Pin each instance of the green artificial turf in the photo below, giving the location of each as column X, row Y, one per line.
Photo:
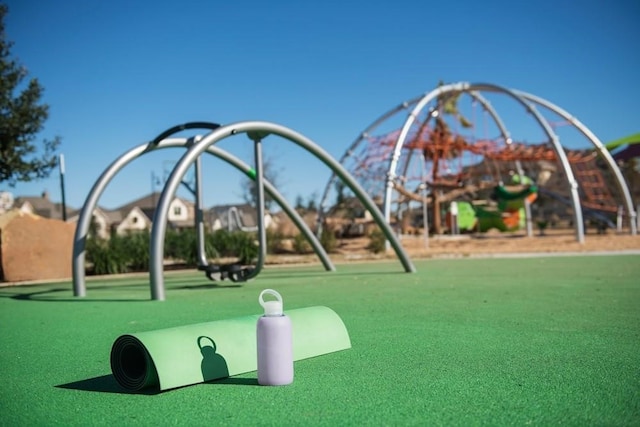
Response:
column 536, row 341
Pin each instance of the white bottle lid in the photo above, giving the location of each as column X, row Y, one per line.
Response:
column 271, row 308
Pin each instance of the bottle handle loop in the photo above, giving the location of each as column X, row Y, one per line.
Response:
column 269, row 292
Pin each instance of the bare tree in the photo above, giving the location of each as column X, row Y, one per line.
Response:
column 271, row 174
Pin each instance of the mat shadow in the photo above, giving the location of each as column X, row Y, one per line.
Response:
column 103, row 384
column 213, row 364
column 235, row 381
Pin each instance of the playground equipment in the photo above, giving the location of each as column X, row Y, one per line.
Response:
column 231, row 271
column 438, row 147
column 509, row 213
column 594, row 214
column 233, row 218
column 625, row 148
column 506, row 211
column 256, row 131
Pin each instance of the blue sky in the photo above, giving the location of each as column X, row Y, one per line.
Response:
column 118, row 73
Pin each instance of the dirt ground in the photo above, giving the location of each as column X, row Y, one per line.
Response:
column 491, row 243
column 503, row 243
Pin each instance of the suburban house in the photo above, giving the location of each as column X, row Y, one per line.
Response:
column 138, row 214
column 102, row 221
column 41, row 205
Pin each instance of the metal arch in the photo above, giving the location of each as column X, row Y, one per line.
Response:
column 84, row 219
column 197, row 191
column 179, row 128
column 349, row 152
column 251, row 127
column 507, row 139
column 393, row 162
column 493, row 113
column 560, row 152
column 403, row 106
column 282, row 202
column 467, row 87
column 622, row 185
column 475, row 95
column 496, row 118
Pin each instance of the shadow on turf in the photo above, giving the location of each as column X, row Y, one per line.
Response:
column 108, row 384
column 235, row 381
column 39, row 296
column 208, row 286
column 329, row 274
column 104, row 384
column 42, row 296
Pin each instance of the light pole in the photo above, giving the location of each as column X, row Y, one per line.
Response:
column 64, row 203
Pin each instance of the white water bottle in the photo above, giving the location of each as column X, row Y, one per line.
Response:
column 275, row 343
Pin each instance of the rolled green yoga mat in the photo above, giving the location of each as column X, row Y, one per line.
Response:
column 185, row 355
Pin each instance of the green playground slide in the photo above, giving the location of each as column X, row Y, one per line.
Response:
column 507, row 215
column 492, row 217
column 466, row 217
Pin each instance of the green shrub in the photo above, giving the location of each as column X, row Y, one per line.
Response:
column 130, row 252
column 222, row 242
column 301, row 245
column 377, row 241
column 275, row 240
column 238, row 244
column 119, row 254
column 137, row 250
column 245, row 247
column 181, row 245
column 328, row 240
column 107, row 256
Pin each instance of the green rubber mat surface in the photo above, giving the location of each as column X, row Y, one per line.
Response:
column 531, row 341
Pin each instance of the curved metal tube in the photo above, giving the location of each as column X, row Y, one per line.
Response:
column 159, row 222
column 197, row 191
column 602, row 150
column 262, row 231
column 403, row 106
column 354, row 144
column 281, row 201
column 507, row 139
column 85, row 215
column 179, row 128
column 234, row 216
column 393, row 162
column 467, row 87
column 560, row 152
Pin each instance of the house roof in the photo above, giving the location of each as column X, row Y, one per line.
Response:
column 115, row 216
column 349, row 206
column 43, row 206
column 149, row 201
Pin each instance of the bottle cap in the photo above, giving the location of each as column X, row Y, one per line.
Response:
column 271, row 308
